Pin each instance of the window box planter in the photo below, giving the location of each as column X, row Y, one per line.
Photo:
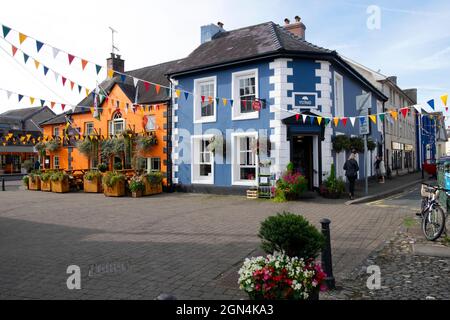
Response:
column 34, row 183
column 60, row 186
column 153, row 184
column 92, row 186
column 46, row 186
column 118, row 190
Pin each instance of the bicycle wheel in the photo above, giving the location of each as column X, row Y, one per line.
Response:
column 433, row 223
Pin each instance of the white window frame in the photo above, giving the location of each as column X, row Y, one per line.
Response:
column 198, row 100
column 154, row 123
column 54, row 162
column 86, row 128
column 339, row 108
column 195, row 160
column 56, row 131
column 235, row 160
column 150, row 168
column 112, row 123
column 236, row 111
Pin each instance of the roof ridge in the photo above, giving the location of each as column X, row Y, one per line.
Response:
column 295, row 37
column 246, row 27
column 275, row 36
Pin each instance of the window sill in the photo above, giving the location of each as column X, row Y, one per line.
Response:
column 205, row 120
column 246, row 116
column 248, row 183
column 202, row 182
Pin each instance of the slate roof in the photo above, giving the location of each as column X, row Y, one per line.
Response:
column 246, row 43
column 26, row 119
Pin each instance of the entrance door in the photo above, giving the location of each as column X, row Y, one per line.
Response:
column 302, row 157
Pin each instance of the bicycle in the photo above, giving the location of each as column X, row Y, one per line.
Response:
column 433, row 216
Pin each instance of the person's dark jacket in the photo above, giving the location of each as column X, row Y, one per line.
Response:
column 351, row 168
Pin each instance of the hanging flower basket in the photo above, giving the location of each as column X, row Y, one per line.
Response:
column 215, row 143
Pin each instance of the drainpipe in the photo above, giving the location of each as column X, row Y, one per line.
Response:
column 169, row 139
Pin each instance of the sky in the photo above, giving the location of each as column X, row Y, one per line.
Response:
column 412, row 41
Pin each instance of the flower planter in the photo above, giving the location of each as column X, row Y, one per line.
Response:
column 137, row 194
column 151, row 189
column 118, row 190
column 60, row 186
column 92, row 186
column 34, row 184
column 46, row 186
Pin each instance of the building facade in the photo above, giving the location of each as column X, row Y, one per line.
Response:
column 264, row 93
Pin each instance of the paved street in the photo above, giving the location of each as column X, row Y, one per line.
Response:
column 184, row 244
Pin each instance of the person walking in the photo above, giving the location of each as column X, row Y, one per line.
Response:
column 380, row 169
column 351, row 172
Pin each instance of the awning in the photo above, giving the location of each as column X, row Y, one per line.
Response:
column 17, row 149
column 300, row 128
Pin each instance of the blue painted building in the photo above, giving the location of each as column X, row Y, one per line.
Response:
column 261, row 96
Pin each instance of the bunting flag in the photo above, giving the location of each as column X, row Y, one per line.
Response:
column 297, row 117
column 431, row 104
column 45, row 70
column 304, row 116
column 71, row 58
column 32, row 100
column 231, row 102
column 344, row 121
column 373, row 118
column 136, row 82
column 14, row 51
column 336, row 122
column 55, row 52
column 98, row 68
column 381, row 116
column 319, row 120
column 404, row 112
column 352, row 121
column 63, row 80
column 444, row 99
column 20, row 96
column 123, row 77
column 327, row 121
column 22, row 37
column 110, row 73
column 157, row 88
column 186, row 96
column 83, row 64
column 6, row 31
column 25, row 58
column 394, row 115
column 37, row 64
column 178, row 93
column 147, row 86
column 39, row 45
column 224, row 101
column 217, row 101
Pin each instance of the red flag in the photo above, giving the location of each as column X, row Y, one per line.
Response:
column 297, row 117
column 83, row 64
column 63, row 106
column 14, row 50
column 405, row 112
column 52, row 104
column 203, row 99
column 63, row 80
column 147, row 86
column 344, row 121
column 71, row 57
column 157, row 88
column 72, row 84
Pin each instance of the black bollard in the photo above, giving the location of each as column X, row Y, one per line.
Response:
column 3, row 184
column 327, row 262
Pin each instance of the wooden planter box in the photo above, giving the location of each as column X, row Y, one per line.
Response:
column 94, row 186
column 34, row 184
column 117, row 191
column 151, row 189
column 137, row 194
column 60, row 186
column 46, row 186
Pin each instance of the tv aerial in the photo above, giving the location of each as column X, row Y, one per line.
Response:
column 114, row 48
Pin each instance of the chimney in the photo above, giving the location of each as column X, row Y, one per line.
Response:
column 412, row 94
column 209, row 31
column 297, row 28
column 116, row 63
column 393, row 79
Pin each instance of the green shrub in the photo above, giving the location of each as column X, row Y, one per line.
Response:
column 112, row 178
column 93, row 174
column 26, row 180
column 145, row 143
column 34, row 175
column 154, row 178
column 46, row 176
column 41, row 148
column 290, row 186
column 58, row 176
column 291, row 234
column 118, row 166
column 52, row 146
column 85, row 147
column 136, row 184
column 333, row 185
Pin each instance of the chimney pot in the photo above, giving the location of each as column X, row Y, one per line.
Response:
column 287, row 21
column 220, row 24
column 298, row 28
column 298, row 19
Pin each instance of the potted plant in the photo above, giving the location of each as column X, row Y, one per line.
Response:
column 153, row 183
column 137, row 187
column 102, row 167
column 52, row 146
column 26, row 182
column 92, row 182
column 46, row 183
column 215, row 143
column 35, row 181
column 114, row 184
column 280, row 277
column 291, row 185
column 60, row 182
column 333, row 187
column 145, row 143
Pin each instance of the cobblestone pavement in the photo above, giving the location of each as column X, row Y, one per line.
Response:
column 183, row 244
column 406, row 274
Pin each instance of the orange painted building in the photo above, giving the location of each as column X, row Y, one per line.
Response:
column 140, row 110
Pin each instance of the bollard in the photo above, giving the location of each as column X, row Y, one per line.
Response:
column 165, row 296
column 327, row 262
column 3, row 184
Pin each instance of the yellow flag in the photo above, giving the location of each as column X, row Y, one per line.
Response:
column 444, row 99
column 373, row 118
column 110, row 73
column 178, row 93
column 37, row 64
column 336, row 122
column 92, row 110
column 394, row 115
column 225, row 101
column 319, row 120
column 32, row 100
column 87, row 92
column 22, row 37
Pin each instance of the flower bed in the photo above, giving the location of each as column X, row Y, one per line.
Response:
column 290, row 186
column 279, row 277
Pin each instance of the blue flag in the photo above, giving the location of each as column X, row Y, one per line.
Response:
column 431, row 103
column 45, row 70
column 39, row 45
column 186, row 95
column 6, row 30
column 25, row 57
